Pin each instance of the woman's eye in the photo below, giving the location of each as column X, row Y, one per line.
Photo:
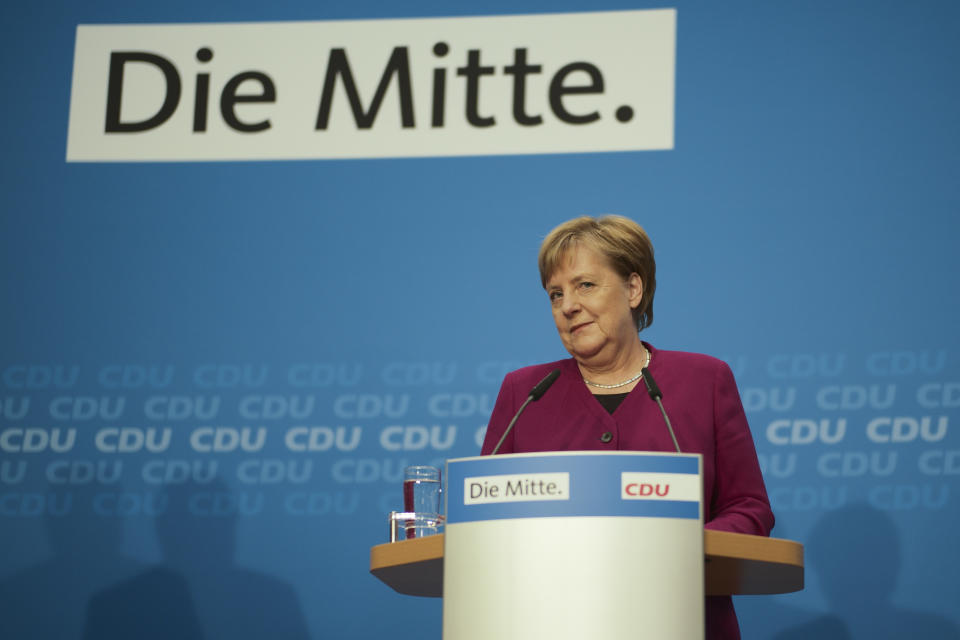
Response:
column 555, row 295
column 586, row 285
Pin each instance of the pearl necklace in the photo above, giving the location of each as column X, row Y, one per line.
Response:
column 625, row 382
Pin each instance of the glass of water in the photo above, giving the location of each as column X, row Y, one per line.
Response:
column 421, row 496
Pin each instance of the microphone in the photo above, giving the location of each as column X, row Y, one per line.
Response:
column 655, row 394
column 535, row 394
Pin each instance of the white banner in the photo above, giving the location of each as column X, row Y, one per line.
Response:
column 552, row 83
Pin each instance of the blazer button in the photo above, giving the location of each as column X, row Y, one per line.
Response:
column 606, row 437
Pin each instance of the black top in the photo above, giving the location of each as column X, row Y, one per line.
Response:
column 610, row 401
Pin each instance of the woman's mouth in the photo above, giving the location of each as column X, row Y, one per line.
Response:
column 575, row 328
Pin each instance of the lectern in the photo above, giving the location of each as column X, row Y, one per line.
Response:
column 575, row 544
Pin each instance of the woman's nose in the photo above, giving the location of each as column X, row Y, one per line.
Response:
column 570, row 304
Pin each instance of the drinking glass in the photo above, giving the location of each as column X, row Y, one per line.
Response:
column 421, row 496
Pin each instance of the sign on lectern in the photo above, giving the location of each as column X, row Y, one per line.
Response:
column 574, row 545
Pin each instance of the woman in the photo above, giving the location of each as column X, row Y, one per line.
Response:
column 600, row 277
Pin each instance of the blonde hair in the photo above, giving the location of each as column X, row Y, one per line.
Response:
column 620, row 240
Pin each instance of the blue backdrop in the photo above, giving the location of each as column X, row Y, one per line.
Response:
column 212, row 374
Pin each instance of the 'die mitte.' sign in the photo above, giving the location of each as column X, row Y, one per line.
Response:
column 550, row 83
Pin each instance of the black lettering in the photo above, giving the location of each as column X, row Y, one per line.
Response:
column 229, row 98
column 519, row 70
column 202, row 94
column 558, row 90
column 472, row 73
column 200, row 102
column 171, row 98
column 338, row 66
column 439, row 86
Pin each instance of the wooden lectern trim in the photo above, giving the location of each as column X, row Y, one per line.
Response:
column 411, row 567
column 407, row 551
column 747, row 547
column 741, row 564
column 736, row 564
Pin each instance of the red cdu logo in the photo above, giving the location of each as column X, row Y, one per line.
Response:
column 645, row 485
column 645, row 489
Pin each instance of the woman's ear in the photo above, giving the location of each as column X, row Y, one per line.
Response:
column 634, row 290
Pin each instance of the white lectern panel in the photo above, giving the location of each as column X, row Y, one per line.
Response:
column 574, row 545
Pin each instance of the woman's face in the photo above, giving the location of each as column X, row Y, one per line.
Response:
column 592, row 305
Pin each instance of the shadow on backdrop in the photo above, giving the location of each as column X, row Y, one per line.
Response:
column 198, row 592
column 855, row 552
column 48, row 601
column 761, row 616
